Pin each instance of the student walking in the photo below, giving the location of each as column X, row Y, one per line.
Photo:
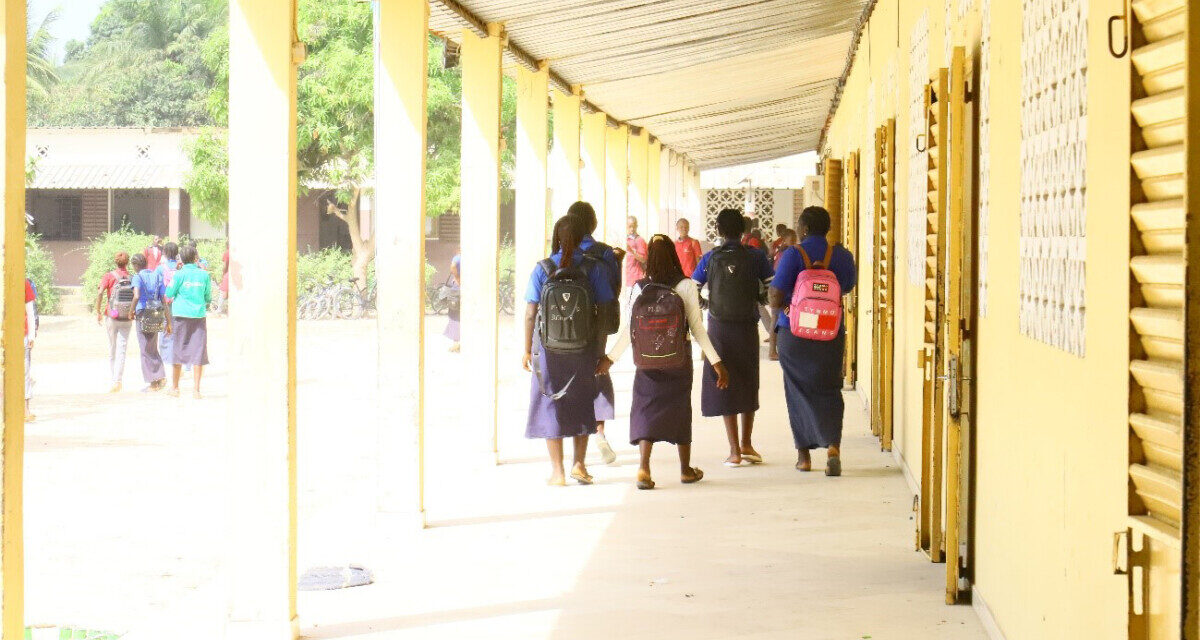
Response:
column 167, row 269
column 665, row 307
column 31, row 328
column 609, row 316
column 150, row 312
column 735, row 275
column 453, row 329
column 153, row 253
column 560, row 348
column 811, row 345
column 635, row 253
column 190, row 292
column 114, row 308
column 686, row 247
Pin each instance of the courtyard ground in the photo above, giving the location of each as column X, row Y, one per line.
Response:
column 124, row 516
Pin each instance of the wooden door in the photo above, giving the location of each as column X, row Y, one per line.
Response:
column 849, row 240
column 956, row 324
column 1160, row 343
column 884, row 280
column 929, row 504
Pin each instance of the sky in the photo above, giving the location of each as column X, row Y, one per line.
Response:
column 75, row 16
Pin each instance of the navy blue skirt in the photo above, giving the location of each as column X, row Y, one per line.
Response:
column 573, row 414
column 662, row 405
column 737, row 344
column 812, row 386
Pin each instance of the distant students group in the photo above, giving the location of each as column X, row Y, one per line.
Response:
column 648, row 295
column 162, row 296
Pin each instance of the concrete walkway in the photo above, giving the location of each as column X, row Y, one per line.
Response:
column 124, row 513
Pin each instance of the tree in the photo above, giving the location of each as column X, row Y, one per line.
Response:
column 40, row 74
column 335, row 101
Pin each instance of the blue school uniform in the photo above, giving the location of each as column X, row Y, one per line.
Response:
column 574, row 414
column 812, row 369
column 737, row 344
column 606, row 397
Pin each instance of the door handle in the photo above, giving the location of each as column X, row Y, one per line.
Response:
column 1124, row 20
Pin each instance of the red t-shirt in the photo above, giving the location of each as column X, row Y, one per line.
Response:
column 153, row 256
column 29, row 297
column 107, row 282
column 751, row 241
column 634, row 271
column 689, row 254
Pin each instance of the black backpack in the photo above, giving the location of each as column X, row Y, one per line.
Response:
column 152, row 318
column 608, row 314
column 658, row 328
column 121, row 302
column 734, row 290
column 566, row 320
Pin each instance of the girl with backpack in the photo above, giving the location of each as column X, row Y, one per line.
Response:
column 812, row 344
column 735, row 275
column 150, row 312
column 665, row 307
column 190, row 293
column 561, row 346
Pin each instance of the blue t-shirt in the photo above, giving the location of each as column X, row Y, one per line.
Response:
column 600, row 285
column 761, row 264
column 150, row 286
column 456, row 262
column 791, row 263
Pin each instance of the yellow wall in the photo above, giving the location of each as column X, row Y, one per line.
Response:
column 1051, row 427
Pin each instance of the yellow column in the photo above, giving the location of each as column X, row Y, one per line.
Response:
column 12, row 338
column 564, row 174
column 593, row 143
column 261, row 424
column 639, row 178
column 616, row 185
column 481, row 60
column 533, row 131
column 654, row 217
column 400, row 149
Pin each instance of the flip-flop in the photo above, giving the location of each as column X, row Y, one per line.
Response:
column 732, row 464
column 697, row 476
column 557, row 483
column 834, row 466
column 581, row 478
column 752, row 458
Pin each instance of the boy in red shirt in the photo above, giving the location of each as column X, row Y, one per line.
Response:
column 635, row 256
column 687, row 248
column 116, row 324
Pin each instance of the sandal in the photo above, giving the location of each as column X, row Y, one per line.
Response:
column 643, row 481
column 730, row 463
column 697, row 476
column 834, row 466
column 556, row 482
column 580, row 476
column 752, row 458
column 804, row 462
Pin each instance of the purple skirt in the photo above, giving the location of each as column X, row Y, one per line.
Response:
column 662, row 406
column 606, row 403
column 737, row 344
column 574, row 377
column 189, row 341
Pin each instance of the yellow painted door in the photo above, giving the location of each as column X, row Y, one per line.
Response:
column 885, row 272
column 930, row 358
column 1153, row 539
column 849, row 240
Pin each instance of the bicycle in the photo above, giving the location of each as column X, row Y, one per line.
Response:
column 351, row 301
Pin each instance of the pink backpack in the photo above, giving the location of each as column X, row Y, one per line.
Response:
column 816, row 309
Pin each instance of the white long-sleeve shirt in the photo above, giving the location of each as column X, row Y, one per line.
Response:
column 691, row 310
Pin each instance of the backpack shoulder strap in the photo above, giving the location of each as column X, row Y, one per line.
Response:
column 804, row 254
column 548, row 266
column 828, row 257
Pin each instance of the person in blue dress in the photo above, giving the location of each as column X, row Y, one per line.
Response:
column 562, row 399
column 605, row 397
column 453, row 325
column 812, row 369
column 734, row 274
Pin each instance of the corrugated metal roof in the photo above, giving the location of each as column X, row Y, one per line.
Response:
column 724, row 81
column 145, row 175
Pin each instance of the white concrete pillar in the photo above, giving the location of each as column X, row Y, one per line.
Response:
column 564, row 171
column 616, row 185
column 12, row 223
column 593, row 143
column 654, row 190
column 400, row 150
column 481, row 68
column 532, row 218
column 639, row 179
column 174, row 198
column 260, row 558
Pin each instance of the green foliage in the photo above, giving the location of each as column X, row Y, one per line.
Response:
column 40, row 74
column 207, row 183
column 314, row 270
column 142, row 65
column 508, row 259
column 39, row 267
column 101, row 253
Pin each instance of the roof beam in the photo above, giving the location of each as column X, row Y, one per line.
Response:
column 479, row 27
